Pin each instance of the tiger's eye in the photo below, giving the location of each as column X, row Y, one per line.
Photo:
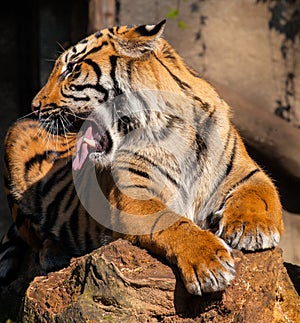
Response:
column 70, row 67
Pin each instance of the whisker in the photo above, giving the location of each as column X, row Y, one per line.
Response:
column 56, row 134
column 48, row 127
column 45, row 134
column 50, row 59
column 68, row 123
column 26, row 115
column 43, row 128
column 66, row 119
column 68, row 147
column 74, row 115
column 61, row 46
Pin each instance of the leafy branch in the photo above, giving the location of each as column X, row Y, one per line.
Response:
column 173, row 13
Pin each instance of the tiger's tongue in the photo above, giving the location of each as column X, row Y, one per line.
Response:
column 82, row 149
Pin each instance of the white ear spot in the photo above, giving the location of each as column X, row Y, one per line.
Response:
column 150, row 27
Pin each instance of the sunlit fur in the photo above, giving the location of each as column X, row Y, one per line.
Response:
column 223, row 198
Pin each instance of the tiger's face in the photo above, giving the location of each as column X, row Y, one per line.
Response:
column 97, row 69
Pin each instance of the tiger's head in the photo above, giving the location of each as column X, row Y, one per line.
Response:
column 100, row 67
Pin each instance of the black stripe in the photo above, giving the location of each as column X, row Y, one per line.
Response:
column 113, row 61
column 137, row 172
column 93, row 50
column 95, row 67
column 184, row 86
column 245, row 178
column 152, row 163
column 51, row 107
column 192, row 71
column 180, row 83
column 53, row 209
column 38, row 159
column 142, row 187
column 227, row 140
column 226, row 173
column 77, row 72
column 129, row 70
column 201, row 147
column 77, row 54
column 74, row 224
column 66, row 241
column 80, row 87
column 56, row 177
column 20, row 218
column 89, row 246
column 86, row 98
column 233, row 152
column 124, row 187
column 169, row 53
column 70, row 200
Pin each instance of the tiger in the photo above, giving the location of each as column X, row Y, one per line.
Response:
column 158, row 140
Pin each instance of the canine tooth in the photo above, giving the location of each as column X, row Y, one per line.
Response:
column 90, row 142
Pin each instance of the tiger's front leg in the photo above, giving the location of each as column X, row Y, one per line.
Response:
column 203, row 259
column 252, row 217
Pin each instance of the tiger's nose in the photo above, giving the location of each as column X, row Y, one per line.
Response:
column 35, row 106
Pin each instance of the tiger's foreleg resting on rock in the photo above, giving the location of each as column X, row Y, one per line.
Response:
column 203, row 259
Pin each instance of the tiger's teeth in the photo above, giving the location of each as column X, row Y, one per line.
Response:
column 90, row 142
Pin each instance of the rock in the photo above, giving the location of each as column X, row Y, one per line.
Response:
column 123, row 283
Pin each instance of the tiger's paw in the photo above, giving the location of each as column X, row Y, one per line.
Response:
column 248, row 232
column 206, row 264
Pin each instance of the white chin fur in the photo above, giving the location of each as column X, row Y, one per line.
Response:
column 100, row 159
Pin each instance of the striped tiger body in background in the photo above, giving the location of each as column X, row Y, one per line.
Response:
column 168, row 159
column 47, row 214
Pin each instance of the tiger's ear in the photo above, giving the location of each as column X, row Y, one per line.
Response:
column 139, row 40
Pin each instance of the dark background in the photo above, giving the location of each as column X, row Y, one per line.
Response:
column 32, row 34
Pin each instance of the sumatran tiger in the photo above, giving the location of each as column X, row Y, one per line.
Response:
column 175, row 172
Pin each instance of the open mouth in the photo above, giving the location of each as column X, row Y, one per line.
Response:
column 94, row 139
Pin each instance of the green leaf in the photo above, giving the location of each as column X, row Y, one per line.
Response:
column 182, row 24
column 173, row 13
